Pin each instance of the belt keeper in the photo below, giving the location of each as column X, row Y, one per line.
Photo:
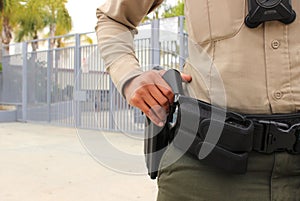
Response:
column 297, row 144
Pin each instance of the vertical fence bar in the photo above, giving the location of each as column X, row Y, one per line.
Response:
column 112, row 101
column 77, row 80
column 24, row 82
column 49, row 67
column 155, row 49
column 181, row 43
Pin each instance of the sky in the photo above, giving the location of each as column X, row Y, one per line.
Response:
column 83, row 13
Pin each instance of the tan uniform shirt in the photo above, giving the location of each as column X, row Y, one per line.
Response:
column 259, row 68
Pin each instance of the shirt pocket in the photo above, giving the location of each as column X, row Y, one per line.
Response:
column 209, row 20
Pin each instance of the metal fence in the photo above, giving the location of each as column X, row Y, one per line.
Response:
column 68, row 86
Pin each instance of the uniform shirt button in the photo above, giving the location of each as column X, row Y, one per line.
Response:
column 278, row 94
column 275, row 44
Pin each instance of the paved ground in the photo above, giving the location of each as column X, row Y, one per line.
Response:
column 47, row 163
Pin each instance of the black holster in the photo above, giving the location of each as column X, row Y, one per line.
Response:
column 158, row 138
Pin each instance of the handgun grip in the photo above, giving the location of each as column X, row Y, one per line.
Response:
column 173, row 78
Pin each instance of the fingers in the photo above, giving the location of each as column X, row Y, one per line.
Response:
column 167, row 92
column 163, row 96
column 152, row 102
column 155, row 107
column 151, row 113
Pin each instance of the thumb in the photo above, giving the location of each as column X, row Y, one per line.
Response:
column 186, row 77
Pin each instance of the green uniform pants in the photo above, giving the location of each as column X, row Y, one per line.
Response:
column 274, row 177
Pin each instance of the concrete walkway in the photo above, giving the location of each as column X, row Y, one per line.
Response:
column 48, row 163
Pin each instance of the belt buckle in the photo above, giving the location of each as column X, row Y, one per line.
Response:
column 279, row 137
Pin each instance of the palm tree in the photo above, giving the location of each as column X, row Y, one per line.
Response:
column 173, row 11
column 59, row 22
column 32, row 19
column 39, row 14
column 8, row 9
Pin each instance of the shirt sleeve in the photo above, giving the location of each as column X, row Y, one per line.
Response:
column 116, row 26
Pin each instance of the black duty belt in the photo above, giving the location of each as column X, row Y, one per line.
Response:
column 225, row 138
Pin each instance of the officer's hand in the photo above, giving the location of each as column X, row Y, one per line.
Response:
column 150, row 93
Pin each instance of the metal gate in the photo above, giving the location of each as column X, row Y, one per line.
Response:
column 68, row 86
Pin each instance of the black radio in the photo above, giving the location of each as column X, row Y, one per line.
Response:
column 268, row 10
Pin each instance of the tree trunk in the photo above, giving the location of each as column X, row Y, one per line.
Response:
column 52, row 35
column 6, row 33
column 35, row 44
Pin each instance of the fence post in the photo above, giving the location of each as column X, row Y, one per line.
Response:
column 155, row 47
column 1, row 72
column 181, row 43
column 112, row 102
column 24, row 81
column 49, row 81
column 77, row 80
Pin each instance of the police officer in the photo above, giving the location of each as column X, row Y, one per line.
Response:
column 260, row 71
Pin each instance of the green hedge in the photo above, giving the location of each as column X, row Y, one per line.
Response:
column 0, row 67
